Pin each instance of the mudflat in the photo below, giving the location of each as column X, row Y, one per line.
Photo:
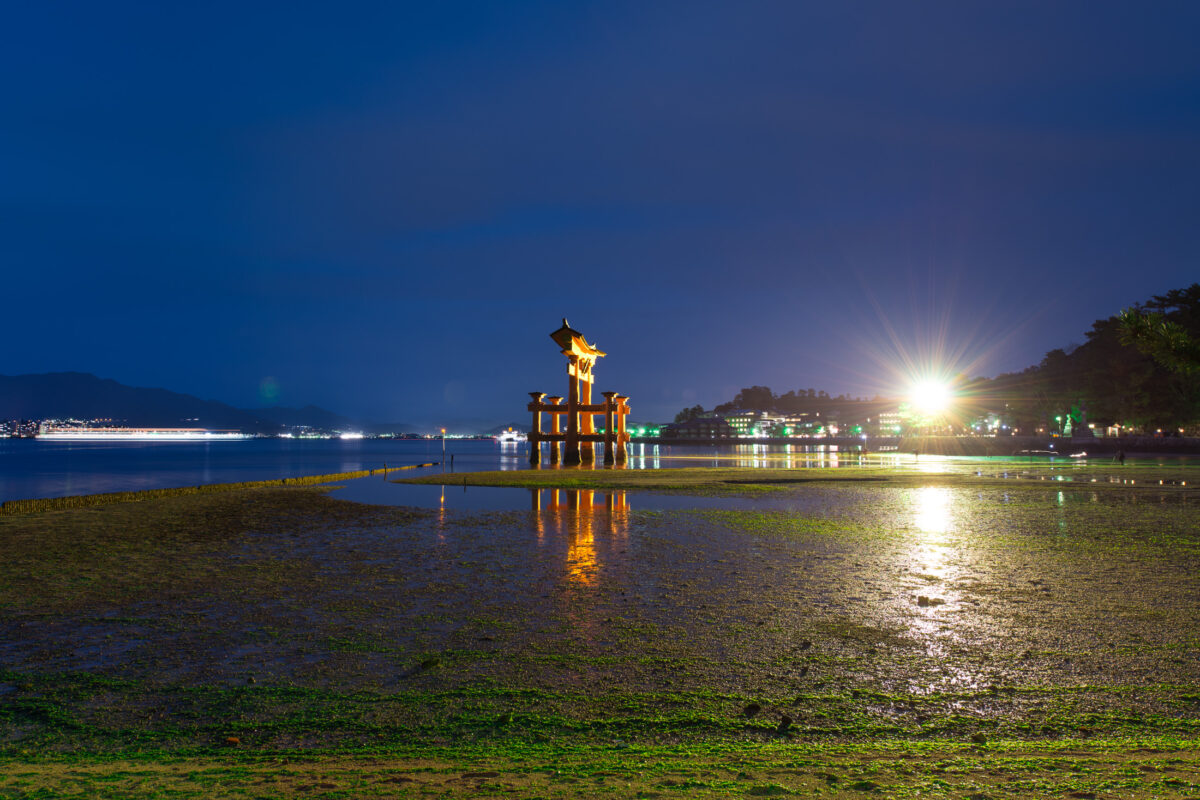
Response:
column 1027, row 633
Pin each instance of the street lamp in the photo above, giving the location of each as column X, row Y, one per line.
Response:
column 443, row 445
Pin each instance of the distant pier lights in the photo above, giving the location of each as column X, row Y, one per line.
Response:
column 579, row 437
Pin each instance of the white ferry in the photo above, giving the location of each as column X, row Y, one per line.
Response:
column 511, row 437
column 49, row 434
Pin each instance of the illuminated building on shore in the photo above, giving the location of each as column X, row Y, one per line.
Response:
column 713, row 427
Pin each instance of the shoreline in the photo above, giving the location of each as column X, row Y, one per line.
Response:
column 1147, row 446
column 36, row 504
column 540, row 478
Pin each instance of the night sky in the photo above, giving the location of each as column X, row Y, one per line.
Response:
column 385, row 209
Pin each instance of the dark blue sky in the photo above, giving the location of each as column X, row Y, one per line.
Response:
column 385, row 209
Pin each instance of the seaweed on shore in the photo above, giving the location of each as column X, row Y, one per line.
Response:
column 949, row 635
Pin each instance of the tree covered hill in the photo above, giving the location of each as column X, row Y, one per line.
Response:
column 1139, row 368
column 1116, row 376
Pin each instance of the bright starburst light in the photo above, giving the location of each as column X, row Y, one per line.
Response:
column 930, row 396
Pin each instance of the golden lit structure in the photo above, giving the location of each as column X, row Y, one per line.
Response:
column 580, row 436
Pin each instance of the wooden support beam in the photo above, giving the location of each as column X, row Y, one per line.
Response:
column 622, row 436
column 583, row 408
column 610, row 436
column 535, row 447
column 571, row 454
column 552, row 402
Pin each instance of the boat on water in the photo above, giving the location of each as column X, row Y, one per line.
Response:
column 138, row 435
column 511, row 437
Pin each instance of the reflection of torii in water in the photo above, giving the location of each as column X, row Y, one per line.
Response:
column 580, row 515
column 580, row 436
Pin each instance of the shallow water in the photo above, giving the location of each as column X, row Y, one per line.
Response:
column 31, row 468
column 379, row 490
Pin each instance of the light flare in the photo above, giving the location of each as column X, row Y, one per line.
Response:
column 931, row 396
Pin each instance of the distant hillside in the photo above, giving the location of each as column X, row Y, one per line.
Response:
column 83, row 396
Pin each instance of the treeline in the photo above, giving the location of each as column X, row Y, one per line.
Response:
column 1136, row 369
column 1139, row 369
column 800, row 401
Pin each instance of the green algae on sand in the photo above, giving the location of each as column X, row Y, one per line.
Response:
column 281, row 643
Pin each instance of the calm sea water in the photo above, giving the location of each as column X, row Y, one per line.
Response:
column 30, row 468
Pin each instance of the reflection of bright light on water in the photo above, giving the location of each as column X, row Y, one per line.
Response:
column 932, row 463
column 640, row 459
column 932, row 517
column 933, row 510
column 932, row 566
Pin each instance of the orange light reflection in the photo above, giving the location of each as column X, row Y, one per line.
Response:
column 579, row 516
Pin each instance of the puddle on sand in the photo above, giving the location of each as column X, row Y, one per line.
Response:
column 377, row 491
column 806, row 500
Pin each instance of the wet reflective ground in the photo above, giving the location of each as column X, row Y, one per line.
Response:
column 1015, row 609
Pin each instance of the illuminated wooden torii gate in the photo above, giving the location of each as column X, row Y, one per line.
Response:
column 580, row 436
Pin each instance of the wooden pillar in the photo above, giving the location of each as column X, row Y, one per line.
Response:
column 587, row 423
column 571, row 450
column 535, row 433
column 622, row 436
column 571, row 445
column 555, row 427
column 610, row 434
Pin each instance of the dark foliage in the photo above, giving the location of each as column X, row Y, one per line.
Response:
column 1140, row 368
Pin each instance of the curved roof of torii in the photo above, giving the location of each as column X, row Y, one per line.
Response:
column 572, row 342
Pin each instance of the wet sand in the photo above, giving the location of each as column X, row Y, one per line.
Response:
column 900, row 621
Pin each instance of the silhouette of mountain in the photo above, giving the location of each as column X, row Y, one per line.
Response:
column 79, row 395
